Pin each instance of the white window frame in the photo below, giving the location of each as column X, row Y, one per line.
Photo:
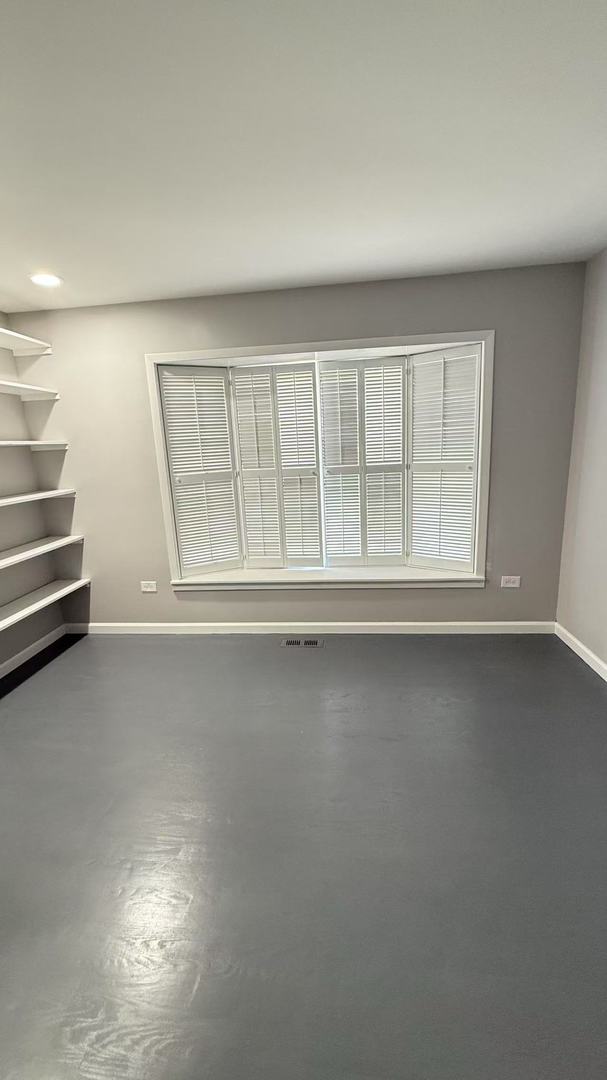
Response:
column 333, row 576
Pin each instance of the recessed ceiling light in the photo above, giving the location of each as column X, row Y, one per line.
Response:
column 49, row 281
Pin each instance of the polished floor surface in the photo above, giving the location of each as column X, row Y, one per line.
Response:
column 381, row 860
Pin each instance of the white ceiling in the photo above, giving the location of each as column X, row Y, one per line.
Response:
column 154, row 149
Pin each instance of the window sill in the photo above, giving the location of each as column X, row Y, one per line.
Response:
column 340, row 577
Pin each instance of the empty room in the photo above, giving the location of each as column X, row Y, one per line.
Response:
column 303, row 540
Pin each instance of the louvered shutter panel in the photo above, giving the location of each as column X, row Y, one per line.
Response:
column 342, row 516
column 340, row 426
column 339, row 402
column 384, row 460
column 295, row 396
column 444, row 418
column 384, row 414
column 302, row 519
column 384, row 500
column 199, row 450
column 253, row 402
column 363, row 427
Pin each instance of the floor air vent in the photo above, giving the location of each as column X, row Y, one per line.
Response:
column 302, row 643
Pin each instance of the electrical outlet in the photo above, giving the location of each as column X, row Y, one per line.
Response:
column 149, row 586
column 511, row 581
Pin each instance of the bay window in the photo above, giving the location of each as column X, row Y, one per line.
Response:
column 299, row 469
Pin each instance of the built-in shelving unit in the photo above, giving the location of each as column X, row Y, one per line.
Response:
column 37, row 496
column 44, row 546
column 33, row 444
column 27, row 392
column 22, row 345
column 34, row 601
column 14, row 612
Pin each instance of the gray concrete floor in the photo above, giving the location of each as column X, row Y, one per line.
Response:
column 385, row 859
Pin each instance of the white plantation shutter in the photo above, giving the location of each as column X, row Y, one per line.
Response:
column 198, row 439
column 385, row 515
column 339, row 401
column 261, row 520
column 295, row 398
column 296, row 404
column 295, row 395
column 207, row 528
column 363, row 409
column 342, row 515
column 302, row 519
column 275, row 410
column 384, row 413
column 384, row 457
column 444, row 442
column 255, row 414
column 341, row 444
column 253, row 392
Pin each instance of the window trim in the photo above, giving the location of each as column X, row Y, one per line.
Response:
column 348, row 349
column 332, row 577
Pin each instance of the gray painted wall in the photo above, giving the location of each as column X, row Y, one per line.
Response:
column 582, row 603
column 98, row 366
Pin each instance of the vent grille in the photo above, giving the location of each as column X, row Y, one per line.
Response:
column 302, row 643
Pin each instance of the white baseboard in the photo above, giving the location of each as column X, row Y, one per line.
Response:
column 593, row 661
column 31, row 650
column 315, row 628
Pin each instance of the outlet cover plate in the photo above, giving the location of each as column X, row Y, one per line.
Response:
column 511, row 581
column 149, row 586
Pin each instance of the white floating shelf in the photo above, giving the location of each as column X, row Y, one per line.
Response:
column 13, row 556
column 22, row 345
column 27, row 392
column 33, row 444
column 34, row 601
column 35, row 496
